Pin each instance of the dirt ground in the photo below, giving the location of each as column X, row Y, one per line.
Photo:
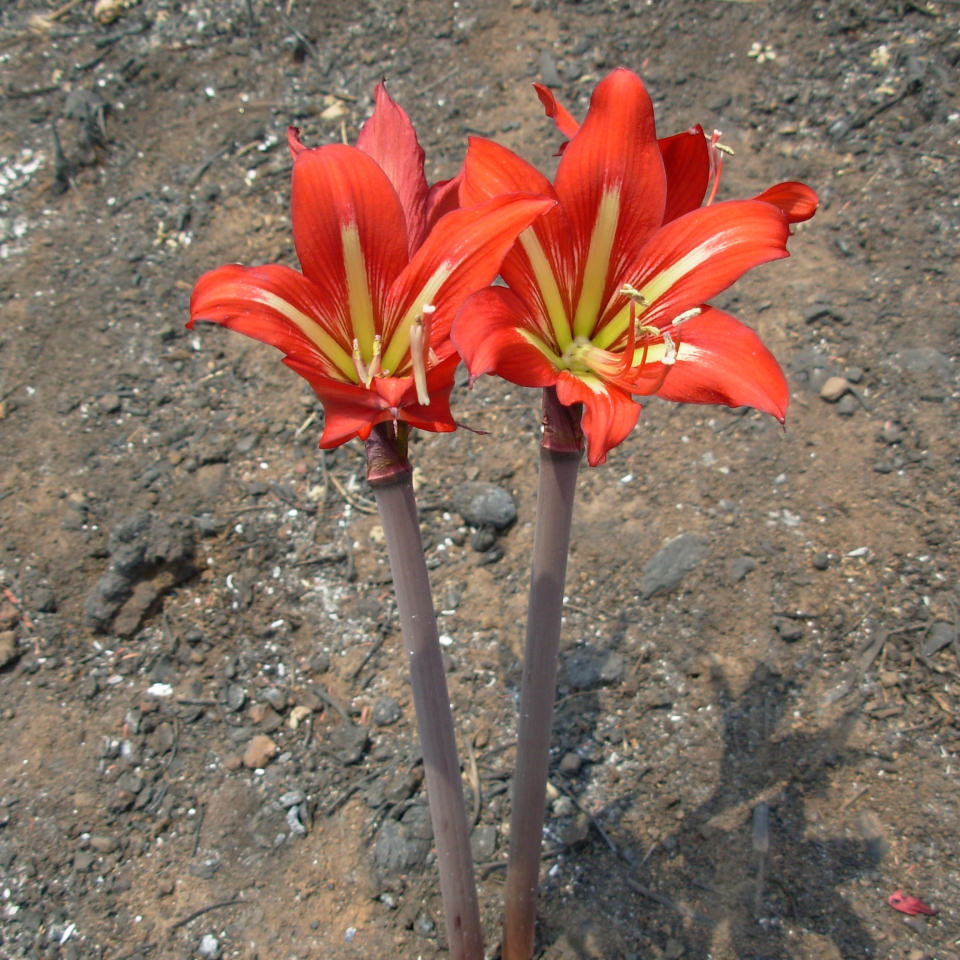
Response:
column 747, row 764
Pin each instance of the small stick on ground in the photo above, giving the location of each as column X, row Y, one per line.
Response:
column 190, row 917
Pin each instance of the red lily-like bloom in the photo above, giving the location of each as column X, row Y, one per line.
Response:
column 386, row 264
column 606, row 292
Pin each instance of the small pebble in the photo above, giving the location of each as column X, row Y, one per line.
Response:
column 385, row 711
column 789, row 630
column 260, row 751
column 276, row 697
column 209, row 948
column 891, row 432
column 294, row 823
column 848, row 405
column 104, row 844
column 834, row 388
column 483, row 538
column 739, row 567
column 821, row 560
column 570, row 763
column 941, row 634
column 483, row 842
column 236, row 697
column 485, row 503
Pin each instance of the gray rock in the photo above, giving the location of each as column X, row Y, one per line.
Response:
column 397, row 847
column 668, row 566
column 570, row 763
column 739, row 567
column 891, row 433
column 941, row 635
column 589, row 667
column 789, row 630
column 349, row 742
column 276, row 697
column 294, row 822
column 483, row 538
column 924, row 360
column 483, row 504
column 848, row 405
column 483, row 843
column 236, row 697
column 385, row 711
column 104, row 843
column 44, row 600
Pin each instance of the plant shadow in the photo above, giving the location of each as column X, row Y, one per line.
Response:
column 744, row 874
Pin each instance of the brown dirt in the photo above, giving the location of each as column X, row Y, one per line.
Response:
column 792, row 673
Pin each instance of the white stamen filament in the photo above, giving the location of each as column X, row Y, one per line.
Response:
column 670, row 354
column 421, row 352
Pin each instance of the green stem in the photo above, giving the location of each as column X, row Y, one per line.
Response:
column 391, row 479
column 560, row 455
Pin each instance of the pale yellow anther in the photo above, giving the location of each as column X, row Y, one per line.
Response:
column 374, row 369
column 685, row 316
column 635, row 295
column 363, row 372
column 646, row 330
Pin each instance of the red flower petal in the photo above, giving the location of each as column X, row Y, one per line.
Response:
column 701, row 253
column 686, row 160
column 352, row 410
column 910, row 905
column 556, row 111
column 389, row 138
column 797, row 201
column 719, row 360
column 490, row 170
column 461, row 255
column 442, row 199
column 281, row 307
column 346, row 214
column 612, row 187
column 487, row 334
column 609, row 414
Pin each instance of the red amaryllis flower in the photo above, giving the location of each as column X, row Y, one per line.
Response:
column 606, row 292
column 386, row 264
